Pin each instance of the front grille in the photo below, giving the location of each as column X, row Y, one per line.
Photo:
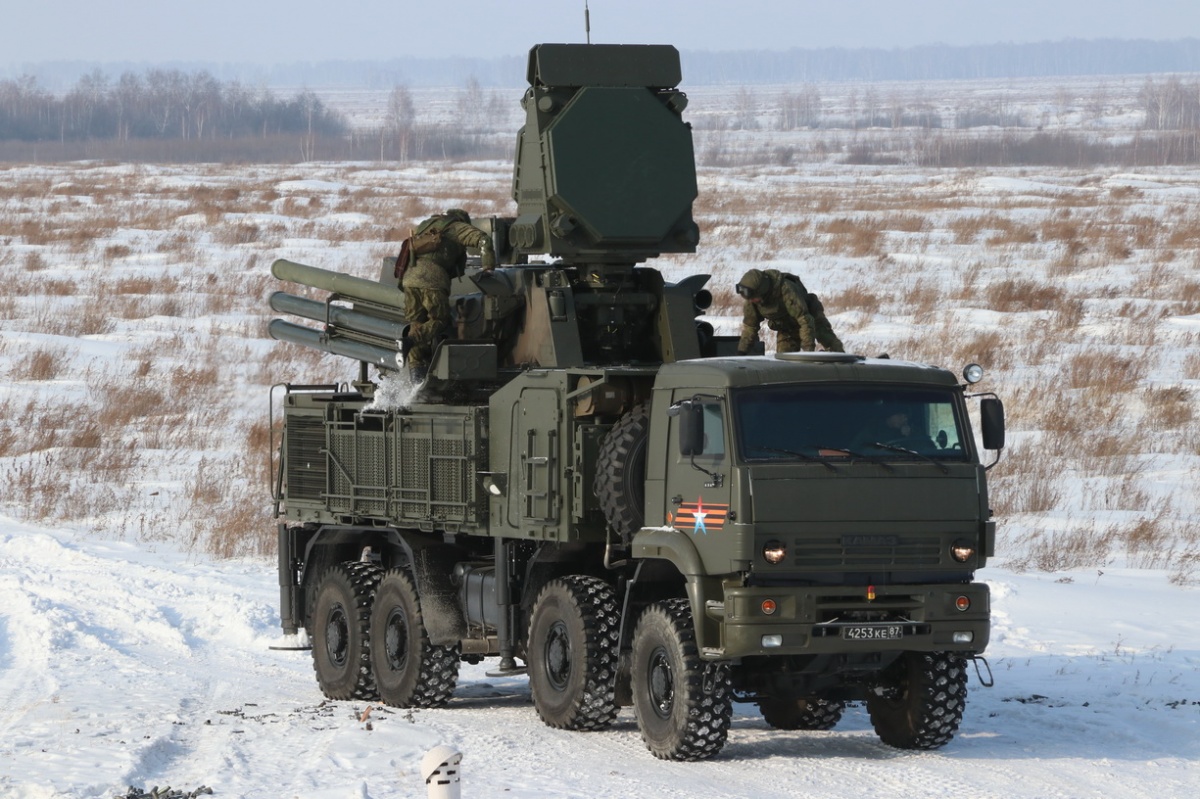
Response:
column 854, row 553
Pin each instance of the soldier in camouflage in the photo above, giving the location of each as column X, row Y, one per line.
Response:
column 438, row 254
column 797, row 316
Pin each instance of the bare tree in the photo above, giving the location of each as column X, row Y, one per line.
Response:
column 472, row 105
column 204, row 98
column 870, row 106
column 745, row 109
column 800, row 110
column 401, row 116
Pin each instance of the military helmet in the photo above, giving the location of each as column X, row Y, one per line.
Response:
column 755, row 283
column 458, row 214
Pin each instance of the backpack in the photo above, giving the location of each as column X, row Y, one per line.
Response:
column 426, row 238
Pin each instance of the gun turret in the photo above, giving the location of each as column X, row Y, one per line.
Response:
column 604, row 179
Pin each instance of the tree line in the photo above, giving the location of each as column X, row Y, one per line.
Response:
column 159, row 104
column 943, row 62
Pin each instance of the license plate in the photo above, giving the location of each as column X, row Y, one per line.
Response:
column 873, row 632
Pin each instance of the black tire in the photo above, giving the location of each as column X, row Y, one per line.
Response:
column 682, row 703
column 340, row 632
column 920, row 700
column 409, row 670
column 809, row 713
column 620, row 482
column 573, row 653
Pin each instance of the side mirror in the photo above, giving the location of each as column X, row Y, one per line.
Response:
column 691, row 429
column 991, row 415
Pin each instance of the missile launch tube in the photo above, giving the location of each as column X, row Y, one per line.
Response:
column 342, row 317
column 346, row 285
column 348, row 348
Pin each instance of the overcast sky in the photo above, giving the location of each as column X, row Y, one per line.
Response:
column 279, row 31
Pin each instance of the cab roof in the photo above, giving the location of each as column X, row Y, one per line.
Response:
column 804, row 367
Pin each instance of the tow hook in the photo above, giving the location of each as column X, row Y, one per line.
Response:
column 990, row 681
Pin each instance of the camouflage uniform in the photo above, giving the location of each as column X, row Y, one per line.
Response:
column 426, row 282
column 797, row 317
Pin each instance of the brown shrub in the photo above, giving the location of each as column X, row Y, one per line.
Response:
column 1064, row 550
column 144, row 284
column 115, row 251
column 857, row 237
column 1061, row 228
column 122, row 405
column 1168, row 408
column 1146, row 231
column 1010, row 296
column 1010, row 232
column 1117, row 248
column 1187, row 294
column 991, row 348
column 59, row 288
column 905, row 223
column 1184, row 234
column 857, row 297
column 34, row 262
column 44, row 363
column 923, row 300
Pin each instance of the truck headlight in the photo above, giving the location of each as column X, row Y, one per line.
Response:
column 774, row 552
column 961, row 551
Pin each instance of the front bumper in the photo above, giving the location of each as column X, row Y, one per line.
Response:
column 811, row 620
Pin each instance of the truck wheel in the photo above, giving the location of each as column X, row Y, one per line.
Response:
column 341, row 637
column 810, row 713
column 682, row 702
column 573, row 653
column 409, row 670
column 920, row 701
column 620, row 483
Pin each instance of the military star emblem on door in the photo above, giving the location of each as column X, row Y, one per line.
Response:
column 700, row 518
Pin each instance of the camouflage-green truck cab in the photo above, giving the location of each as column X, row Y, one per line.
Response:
column 591, row 488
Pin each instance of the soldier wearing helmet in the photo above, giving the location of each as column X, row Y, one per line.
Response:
column 433, row 255
column 797, row 316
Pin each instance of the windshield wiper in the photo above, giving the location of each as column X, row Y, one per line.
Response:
column 802, row 456
column 858, row 456
column 892, row 447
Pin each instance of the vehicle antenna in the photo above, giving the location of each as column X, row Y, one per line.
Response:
column 587, row 22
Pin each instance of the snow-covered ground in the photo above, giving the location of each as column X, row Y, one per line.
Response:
column 130, row 665
column 134, row 382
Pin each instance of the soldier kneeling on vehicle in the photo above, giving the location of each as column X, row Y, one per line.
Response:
column 796, row 315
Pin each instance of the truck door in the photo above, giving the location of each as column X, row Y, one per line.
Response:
column 698, row 487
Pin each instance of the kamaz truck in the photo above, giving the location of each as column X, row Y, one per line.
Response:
column 591, row 488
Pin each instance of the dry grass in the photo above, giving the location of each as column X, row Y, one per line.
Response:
column 856, row 237
column 44, row 363
column 1070, row 300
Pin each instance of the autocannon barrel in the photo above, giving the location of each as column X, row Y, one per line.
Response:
column 349, row 348
column 345, row 285
column 336, row 315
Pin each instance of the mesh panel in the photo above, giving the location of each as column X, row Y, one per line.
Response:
column 305, row 461
column 413, row 479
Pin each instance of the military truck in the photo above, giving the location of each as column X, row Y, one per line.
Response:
column 591, row 488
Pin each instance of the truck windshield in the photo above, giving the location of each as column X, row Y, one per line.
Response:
column 879, row 421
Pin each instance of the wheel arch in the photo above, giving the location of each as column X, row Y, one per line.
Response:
column 429, row 563
column 670, row 566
